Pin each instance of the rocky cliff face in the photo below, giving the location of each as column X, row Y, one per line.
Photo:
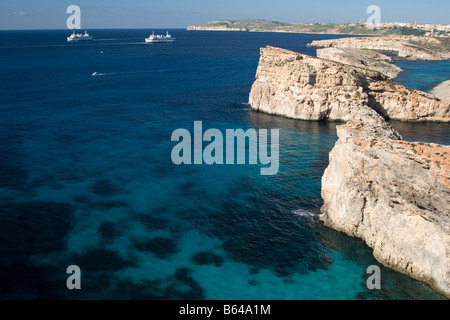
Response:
column 302, row 87
column 214, row 28
column 395, row 195
column 392, row 194
column 406, row 47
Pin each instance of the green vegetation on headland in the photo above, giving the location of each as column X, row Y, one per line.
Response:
column 327, row 28
column 442, row 46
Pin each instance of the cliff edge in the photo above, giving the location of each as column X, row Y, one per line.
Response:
column 391, row 193
column 395, row 195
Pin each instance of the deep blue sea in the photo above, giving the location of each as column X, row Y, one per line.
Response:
column 86, row 176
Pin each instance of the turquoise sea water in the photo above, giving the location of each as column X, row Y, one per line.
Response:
column 86, row 176
column 423, row 75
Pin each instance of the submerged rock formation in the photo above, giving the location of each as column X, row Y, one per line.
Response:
column 367, row 59
column 395, row 195
column 406, row 47
column 303, row 87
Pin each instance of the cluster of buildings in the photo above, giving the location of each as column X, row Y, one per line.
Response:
column 432, row 30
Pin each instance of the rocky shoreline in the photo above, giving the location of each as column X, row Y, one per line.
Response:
column 405, row 47
column 392, row 194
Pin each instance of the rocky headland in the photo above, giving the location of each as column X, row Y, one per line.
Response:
column 303, row 87
column 405, row 47
column 392, row 194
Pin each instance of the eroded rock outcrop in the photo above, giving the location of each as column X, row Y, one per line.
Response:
column 406, row 47
column 442, row 91
column 367, row 59
column 395, row 195
column 303, row 87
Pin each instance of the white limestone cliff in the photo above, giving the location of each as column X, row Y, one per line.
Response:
column 303, row 87
column 394, row 195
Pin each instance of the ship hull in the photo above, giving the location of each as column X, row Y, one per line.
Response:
column 159, row 41
column 79, row 40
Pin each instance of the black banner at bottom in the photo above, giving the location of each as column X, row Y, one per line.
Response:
column 233, row 309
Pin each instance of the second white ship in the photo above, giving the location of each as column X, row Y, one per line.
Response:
column 159, row 38
column 79, row 37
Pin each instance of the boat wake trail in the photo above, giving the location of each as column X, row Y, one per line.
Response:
column 97, row 74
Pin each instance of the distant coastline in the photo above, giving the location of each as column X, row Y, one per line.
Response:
column 361, row 28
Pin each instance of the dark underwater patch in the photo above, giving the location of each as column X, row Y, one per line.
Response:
column 252, row 282
column 101, row 260
column 22, row 280
column 12, row 171
column 104, row 188
column 207, row 258
column 57, row 186
column 288, row 281
column 33, row 227
column 28, row 228
column 107, row 205
column 195, row 292
column 258, row 228
column 82, row 198
column 152, row 223
column 147, row 290
column 107, row 231
column 179, row 286
column 161, row 247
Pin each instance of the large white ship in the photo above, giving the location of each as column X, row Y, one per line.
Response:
column 159, row 38
column 79, row 37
